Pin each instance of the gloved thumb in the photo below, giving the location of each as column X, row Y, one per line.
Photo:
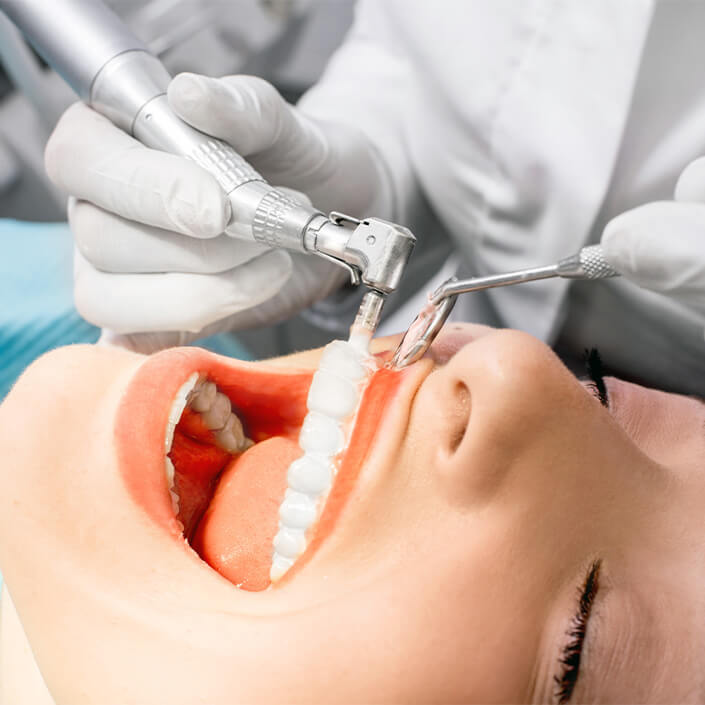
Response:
column 145, row 343
column 659, row 246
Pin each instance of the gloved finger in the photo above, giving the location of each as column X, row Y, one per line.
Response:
column 114, row 244
column 660, row 246
column 146, row 343
column 691, row 183
column 313, row 279
column 139, row 303
column 250, row 114
column 90, row 158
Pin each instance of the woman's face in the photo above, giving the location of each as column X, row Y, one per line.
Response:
column 504, row 526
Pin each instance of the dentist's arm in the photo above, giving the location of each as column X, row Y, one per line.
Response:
column 661, row 246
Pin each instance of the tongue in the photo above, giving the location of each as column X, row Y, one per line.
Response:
column 235, row 534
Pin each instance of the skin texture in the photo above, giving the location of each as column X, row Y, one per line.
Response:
column 451, row 575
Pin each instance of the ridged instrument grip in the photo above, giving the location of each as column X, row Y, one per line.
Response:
column 226, row 165
column 594, row 265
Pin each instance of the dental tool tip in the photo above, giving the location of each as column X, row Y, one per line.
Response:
column 369, row 314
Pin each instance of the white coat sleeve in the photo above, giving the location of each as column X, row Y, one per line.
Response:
column 364, row 87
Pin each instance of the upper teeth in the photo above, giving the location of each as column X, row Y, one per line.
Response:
column 214, row 407
column 333, row 396
column 177, row 408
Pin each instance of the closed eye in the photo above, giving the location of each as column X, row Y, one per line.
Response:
column 569, row 663
column 596, row 372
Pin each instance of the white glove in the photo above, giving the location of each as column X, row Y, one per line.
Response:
column 661, row 246
column 147, row 225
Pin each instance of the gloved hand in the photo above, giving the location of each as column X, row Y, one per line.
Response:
column 661, row 246
column 147, row 225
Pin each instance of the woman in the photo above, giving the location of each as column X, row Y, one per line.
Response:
column 507, row 538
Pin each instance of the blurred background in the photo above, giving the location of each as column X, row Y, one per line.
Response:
column 287, row 42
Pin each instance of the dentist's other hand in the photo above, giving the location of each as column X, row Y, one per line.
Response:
column 661, row 246
column 147, row 225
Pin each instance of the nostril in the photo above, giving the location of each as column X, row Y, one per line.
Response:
column 460, row 414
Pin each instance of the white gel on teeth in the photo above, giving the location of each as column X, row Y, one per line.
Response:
column 289, row 542
column 342, row 359
column 310, row 474
column 321, row 434
column 177, row 408
column 332, row 395
column 298, row 510
column 280, row 565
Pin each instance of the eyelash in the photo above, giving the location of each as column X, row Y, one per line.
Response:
column 572, row 651
column 595, row 369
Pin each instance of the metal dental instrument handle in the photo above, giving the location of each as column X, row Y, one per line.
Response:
column 114, row 73
column 588, row 263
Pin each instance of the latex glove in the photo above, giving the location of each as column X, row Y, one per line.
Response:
column 661, row 245
column 147, row 225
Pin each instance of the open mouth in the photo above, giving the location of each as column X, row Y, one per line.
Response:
column 250, row 464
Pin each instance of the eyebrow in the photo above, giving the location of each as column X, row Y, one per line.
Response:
column 571, row 655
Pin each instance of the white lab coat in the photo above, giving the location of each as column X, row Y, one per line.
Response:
column 527, row 125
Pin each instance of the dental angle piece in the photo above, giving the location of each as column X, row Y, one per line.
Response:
column 588, row 263
column 333, row 399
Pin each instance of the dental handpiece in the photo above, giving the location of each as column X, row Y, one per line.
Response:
column 116, row 75
column 588, row 263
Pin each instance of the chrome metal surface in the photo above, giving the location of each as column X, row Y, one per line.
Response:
column 422, row 332
column 370, row 311
column 75, row 37
column 453, row 287
column 588, row 263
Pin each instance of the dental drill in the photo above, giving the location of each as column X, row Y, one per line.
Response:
column 116, row 75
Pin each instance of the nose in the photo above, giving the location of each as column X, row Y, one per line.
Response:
column 504, row 397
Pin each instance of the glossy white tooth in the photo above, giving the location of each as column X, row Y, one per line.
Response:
column 280, row 565
column 169, row 471
column 310, row 474
column 344, row 360
column 177, row 408
column 321, row 434
column 289, row 543
column 297, row 511
column 332, row 395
